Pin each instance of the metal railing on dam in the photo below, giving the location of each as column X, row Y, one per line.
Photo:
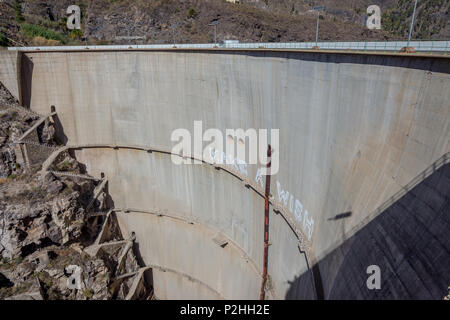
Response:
column 419, row 46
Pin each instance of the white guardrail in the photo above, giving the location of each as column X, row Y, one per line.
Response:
column 419, row 46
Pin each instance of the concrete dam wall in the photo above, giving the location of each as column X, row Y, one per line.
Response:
column 363, row 177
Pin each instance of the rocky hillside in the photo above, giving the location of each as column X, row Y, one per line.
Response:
column 109, row 21
column 433, row 16
column 43, row 22
column 432, row 19
column 51, row 220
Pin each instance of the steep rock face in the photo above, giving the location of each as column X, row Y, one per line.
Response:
column 39, row 212
column 14, row 122
column 45, row 275
column 45, row 223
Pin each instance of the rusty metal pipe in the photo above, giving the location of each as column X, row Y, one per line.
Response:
column 266, row 225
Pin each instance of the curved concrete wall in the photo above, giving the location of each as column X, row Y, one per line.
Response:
column 354, row 129
column 9, row 68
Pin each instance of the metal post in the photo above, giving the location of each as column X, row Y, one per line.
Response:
column 173, row 26
column 317, row 27
column 412, row 23
column 318, row 9
column 266, row 225
column 215, row 23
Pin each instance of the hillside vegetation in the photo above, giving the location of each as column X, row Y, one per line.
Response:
column 432, row 19
column 38, row 22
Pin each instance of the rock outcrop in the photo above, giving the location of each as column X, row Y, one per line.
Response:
column 47, row 231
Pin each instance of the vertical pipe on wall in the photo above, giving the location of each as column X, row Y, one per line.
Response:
column 266, row 224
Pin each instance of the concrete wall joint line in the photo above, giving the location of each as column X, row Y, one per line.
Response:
column 184, row 275
column 243, row 255
column 299, row 234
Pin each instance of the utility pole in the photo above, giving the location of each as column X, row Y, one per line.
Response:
column 173, row 32
column 318, row 9
column 215, row 23
column 317, row 27
column 412, row 23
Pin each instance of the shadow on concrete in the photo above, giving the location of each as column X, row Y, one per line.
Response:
column 341, row 216
column 26, row 79
column 26, row 76
column 410, row 62
column 409, row 241
column 109, row 201
column 304, row 287
column 369, row 58
column 59, row 129
column 148, row 274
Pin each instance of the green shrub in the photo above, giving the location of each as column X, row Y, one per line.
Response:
column 76, row 34
column 4, row 260
column 65, row 166
column 88, row 293
column 191, row 13
column 3, row 40
column 17, row 260
column 32, row 30
column 48, row 23
column 63, row 23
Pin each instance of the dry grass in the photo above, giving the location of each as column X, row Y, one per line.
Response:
column 41, row 41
